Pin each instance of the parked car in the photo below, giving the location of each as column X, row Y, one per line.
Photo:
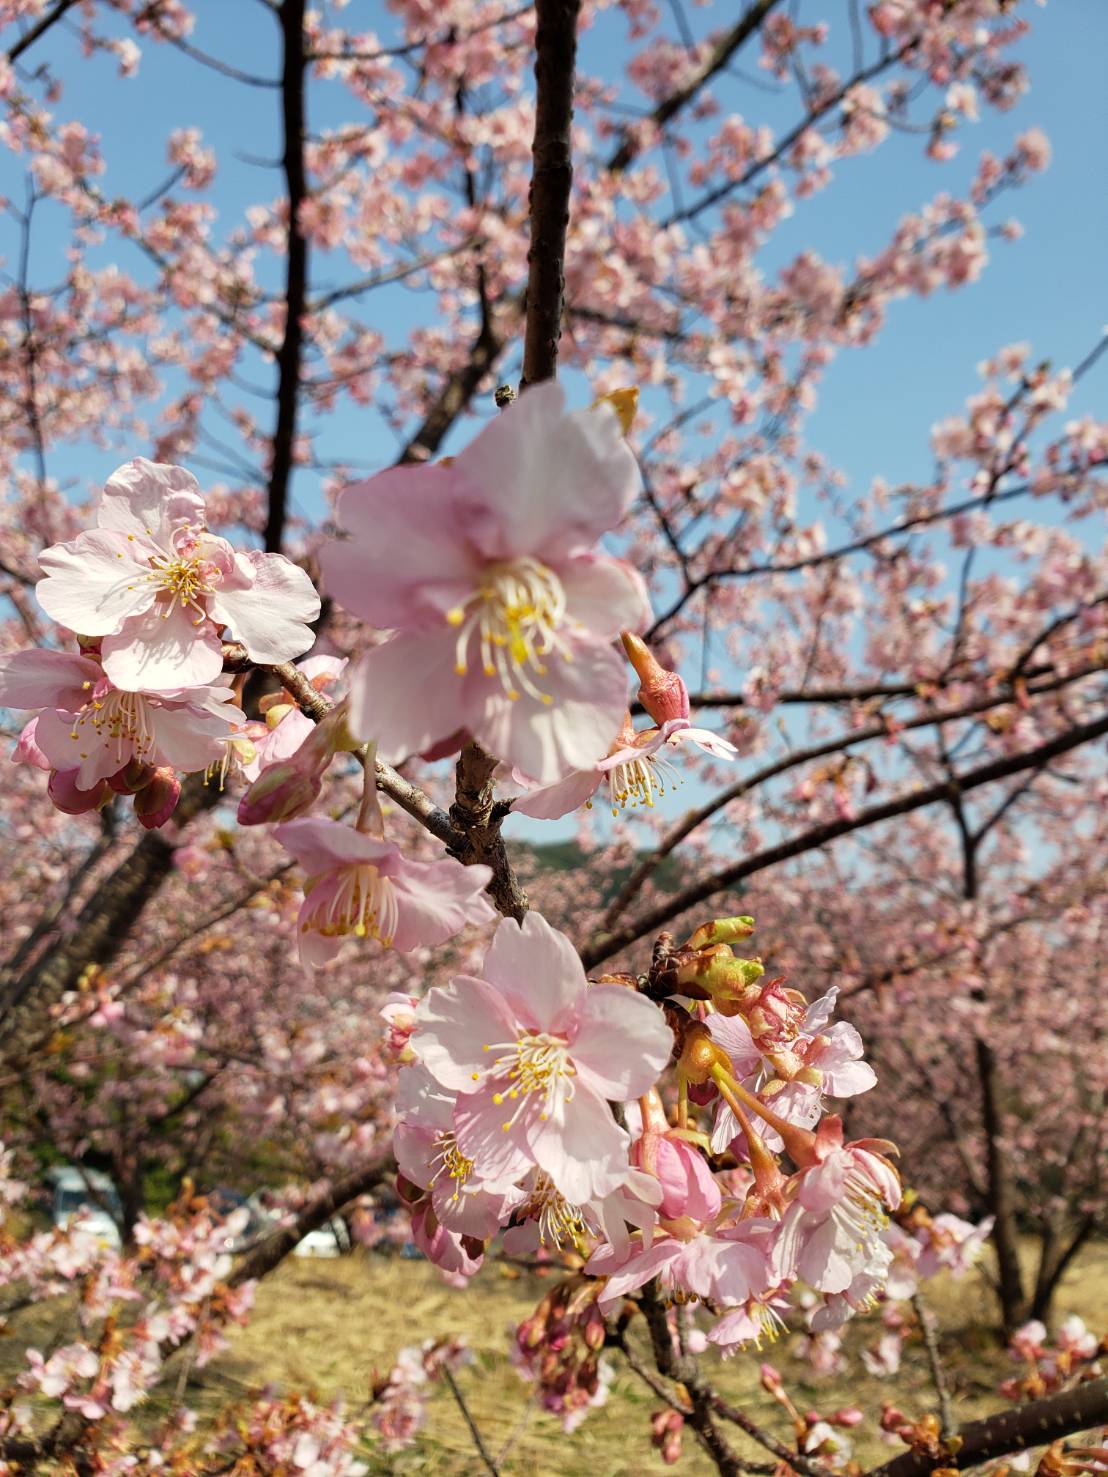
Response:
column 250, row 1222
column 253, row 1221
column 330, row 1239
column 88, row 1199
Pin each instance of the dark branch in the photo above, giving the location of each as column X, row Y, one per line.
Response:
column 1036, row 1424
column 609, row 943
column 720, row 54
column 552, row 176
column 293, row 67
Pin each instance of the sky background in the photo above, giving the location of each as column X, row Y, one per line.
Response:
column 876, row 406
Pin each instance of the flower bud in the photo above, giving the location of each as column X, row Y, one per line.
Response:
column 715, row 973
column 66, row 797
column 290, row 787
column 625, row 403
column 663, row 694
column 276, row 711
column 593, row 1330
column 157, row 800
column 721, row 931
column 699, row 1054
column 280, row 792
column 132, row 777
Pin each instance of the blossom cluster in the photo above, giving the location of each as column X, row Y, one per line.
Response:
column 147, row 594
column 531, row 1103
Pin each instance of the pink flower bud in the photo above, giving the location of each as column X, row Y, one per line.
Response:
column 285, row 790
column 663, row 694
column 157, row 800
column 132, row 777
column 27, row 750
column 66, row 797
column 280, row 793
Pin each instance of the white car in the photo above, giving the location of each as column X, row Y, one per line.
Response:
column 87, row 1199
column 329, row 1240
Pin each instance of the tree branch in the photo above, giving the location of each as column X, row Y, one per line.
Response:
column 289, row 355
column 720, row 54
column 552, row 176
column 1036, row 1424
column 607, row 943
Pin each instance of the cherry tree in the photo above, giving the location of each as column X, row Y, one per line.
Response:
column 265, row 887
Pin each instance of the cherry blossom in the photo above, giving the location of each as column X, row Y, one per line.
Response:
column 487, row 571
column 157, row 587
column 635, row 770
column 91, row 729
column 528, row 1047
column 358, row 885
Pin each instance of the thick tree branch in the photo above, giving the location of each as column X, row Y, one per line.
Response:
column 477, row 829
column 1036, row 1424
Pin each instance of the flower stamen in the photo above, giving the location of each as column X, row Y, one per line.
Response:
column 513, row 618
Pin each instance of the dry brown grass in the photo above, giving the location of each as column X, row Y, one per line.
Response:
column 325, row 1326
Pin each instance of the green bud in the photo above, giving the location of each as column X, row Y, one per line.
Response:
column 721, row 931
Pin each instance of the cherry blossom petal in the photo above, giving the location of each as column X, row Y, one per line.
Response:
column 90, row 587
column 406, row 695
column 319, row 845
column 162, row 649
column 435, row 900
column 188, row 739
column 550, row 482
column 544, row 741
column 145, row 500
column 585, row 1153
column 91, row 757
column 407, row 562
column 613, row 1013
column 704, row 738
column 500, row 1158
column 548, row 802
column 41, row 678
column 271, row 615
column 537, row 971
column 605, row 595
column 454, row 1025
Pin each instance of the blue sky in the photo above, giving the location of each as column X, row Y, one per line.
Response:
column 876, row 406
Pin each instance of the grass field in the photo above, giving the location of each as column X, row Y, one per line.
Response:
column 325, row 1326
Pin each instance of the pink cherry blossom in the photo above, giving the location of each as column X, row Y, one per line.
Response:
column 544, row 1218
column 696, row 1260
column 158, row 587
column 427, row 1153
column 488, row 572
column 635, row 770
column 535, row 1054
column 92, row 729
column 832, row 1233
column 362, row 886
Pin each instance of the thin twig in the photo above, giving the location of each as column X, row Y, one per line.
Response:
column 938, row 1374
column 478, row 1441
